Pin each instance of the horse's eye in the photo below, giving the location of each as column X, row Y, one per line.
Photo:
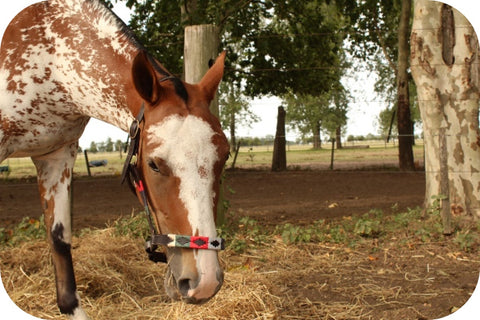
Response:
column 153, row 166
column 159, row 166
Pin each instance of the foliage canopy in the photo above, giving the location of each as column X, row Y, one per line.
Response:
column 274, row 46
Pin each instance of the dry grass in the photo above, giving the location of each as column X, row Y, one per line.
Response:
column 378, row 155
column 272, row 281
column 116, row 281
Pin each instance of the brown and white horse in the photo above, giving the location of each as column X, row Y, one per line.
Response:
column 65, row 61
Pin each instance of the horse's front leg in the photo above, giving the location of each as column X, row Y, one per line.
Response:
column 54, row 172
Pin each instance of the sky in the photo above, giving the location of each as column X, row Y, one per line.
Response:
column 362, row 113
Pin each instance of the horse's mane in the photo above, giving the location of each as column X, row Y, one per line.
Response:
column 112, row 18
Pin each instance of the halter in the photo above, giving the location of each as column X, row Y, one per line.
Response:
column 156, row 239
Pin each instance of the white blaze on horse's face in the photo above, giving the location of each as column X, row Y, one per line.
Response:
column 185, row 145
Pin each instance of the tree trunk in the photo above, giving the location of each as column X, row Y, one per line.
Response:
column 279, row 161
column 404, row 121
column 233, row 140
column 445, row 67
column 317, row 141
column 338, row 137
column 200, row 49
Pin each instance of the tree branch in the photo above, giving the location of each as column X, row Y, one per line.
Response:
column 229, row 13
column 383, row 46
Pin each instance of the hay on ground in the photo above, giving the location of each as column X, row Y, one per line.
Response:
column 310, row 281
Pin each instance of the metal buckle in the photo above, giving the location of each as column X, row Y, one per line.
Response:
column 134, row 128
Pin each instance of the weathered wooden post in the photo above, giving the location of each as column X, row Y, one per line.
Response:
column 200, row 51
column 85, row 153
column 279, row 161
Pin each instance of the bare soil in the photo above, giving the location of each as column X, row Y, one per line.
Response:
column 297, row 197
column 422, row 283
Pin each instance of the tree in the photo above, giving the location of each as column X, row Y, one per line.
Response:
column 386, row 125
column 337, row 118
column 404, row 120
column 234, row 110
column 379, row 34
column 159, row 25
column 305, row 113
column 109, row 145
column 314, row 114
column 93, row 147
column 445, row 65
column 273, row 46
column 386, row 118
column 119, row 147
column 299, row 50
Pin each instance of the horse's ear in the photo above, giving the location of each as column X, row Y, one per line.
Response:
column 144, row 78
column 212, row 78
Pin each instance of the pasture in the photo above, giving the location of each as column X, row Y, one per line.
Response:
column 376, row 154
column 302, row 244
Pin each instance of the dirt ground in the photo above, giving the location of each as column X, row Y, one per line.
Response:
column 295, row 196
column 301, row 197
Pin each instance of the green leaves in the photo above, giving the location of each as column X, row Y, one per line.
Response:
column 274, row 46
column 26, row 230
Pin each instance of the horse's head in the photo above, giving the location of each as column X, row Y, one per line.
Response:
column 181, row 155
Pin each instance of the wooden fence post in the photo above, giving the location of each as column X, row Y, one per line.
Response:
column 85, row 152
column 200, row 50
column 279, row 161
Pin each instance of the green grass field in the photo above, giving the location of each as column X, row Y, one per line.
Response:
column 248, row 157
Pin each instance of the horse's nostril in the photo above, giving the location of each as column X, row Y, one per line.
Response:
column 184, row 286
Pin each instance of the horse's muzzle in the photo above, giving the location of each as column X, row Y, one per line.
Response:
column 203, row 291
column 194, row 283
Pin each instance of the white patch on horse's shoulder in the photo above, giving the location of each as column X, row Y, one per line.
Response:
column 185, row 143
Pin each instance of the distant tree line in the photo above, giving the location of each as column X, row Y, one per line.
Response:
column 118, row 146
column 106, row 146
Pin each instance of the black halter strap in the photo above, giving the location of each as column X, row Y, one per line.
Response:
column 135, row 183
column 134, row 137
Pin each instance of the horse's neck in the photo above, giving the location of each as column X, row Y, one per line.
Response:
column 77, row 57
column 103, row 56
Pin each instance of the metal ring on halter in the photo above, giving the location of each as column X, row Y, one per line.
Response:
column 134, row 128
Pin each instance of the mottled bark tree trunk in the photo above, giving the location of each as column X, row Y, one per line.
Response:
column 445, row 67
column 404, row 121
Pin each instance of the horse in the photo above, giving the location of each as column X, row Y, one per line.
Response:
column 63, row 62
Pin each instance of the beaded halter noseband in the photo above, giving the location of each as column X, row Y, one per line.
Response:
column 156, row 239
